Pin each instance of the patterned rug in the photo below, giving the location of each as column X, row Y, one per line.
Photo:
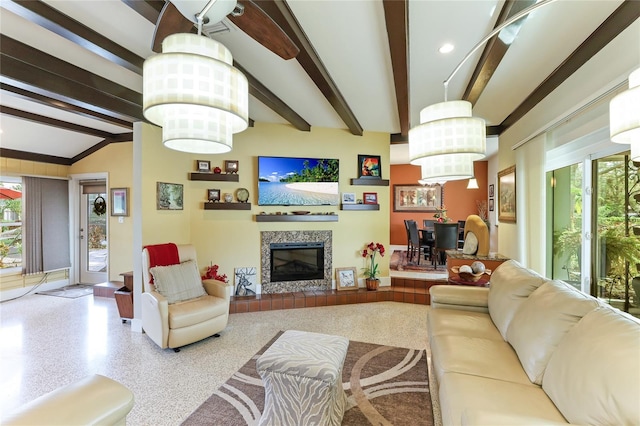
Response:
column 400, row 262
column 70, row 291
column 385, row 385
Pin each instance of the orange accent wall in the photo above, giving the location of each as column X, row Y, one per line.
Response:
column 459, row 201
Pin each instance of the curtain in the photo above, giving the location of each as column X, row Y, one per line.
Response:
column 46, row 243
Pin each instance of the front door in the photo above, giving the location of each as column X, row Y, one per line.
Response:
column 93, row 233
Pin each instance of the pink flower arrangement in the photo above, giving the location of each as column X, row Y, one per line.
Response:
column 370, row 251
column 212, row 274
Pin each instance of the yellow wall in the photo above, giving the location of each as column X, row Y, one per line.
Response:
column 231, row 238
column 116, row 160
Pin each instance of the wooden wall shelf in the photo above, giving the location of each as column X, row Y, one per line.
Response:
column 227, row 206
column 214, row 177
column 370, row 182
column 297, row 218
column 360, row 207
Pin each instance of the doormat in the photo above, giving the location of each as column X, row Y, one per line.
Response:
column 384, row 385
column 70, row 291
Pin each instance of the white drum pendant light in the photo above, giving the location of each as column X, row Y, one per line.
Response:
column 195, row 94
column 624, row 113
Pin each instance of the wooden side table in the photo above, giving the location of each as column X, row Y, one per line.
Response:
column 124, row 297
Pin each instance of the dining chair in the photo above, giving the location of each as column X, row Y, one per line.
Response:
column 461, row 225
column 446, row 238
column 418, row 247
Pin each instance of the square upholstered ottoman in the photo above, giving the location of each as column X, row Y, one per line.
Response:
column 302, row 376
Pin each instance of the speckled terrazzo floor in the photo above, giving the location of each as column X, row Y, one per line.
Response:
column 47, row 342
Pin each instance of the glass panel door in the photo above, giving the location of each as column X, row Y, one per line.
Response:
column 93, row 238
column 616, row 246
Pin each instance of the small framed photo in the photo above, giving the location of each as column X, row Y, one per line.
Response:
column 169, row 196
column 369, row 166
column 370, row 197
column 231, row 166
column 491, row 205
column 346, row 279
column 213, row 195
column 203, row 166
column 507, row 195
column 348, row 198
column 491, row 191
column 119, row 201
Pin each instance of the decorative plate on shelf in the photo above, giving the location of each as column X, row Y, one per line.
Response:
column 242, row 194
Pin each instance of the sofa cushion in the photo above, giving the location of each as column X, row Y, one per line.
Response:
column 462, row 392
column 454, row 322
column 178, row 282
column 511, row 284
column 543, row 320
column 593, row 376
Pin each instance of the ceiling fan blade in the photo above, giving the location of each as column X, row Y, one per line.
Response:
column 170, row 21
column 259, row 26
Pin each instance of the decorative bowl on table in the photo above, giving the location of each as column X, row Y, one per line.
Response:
column 469, row 276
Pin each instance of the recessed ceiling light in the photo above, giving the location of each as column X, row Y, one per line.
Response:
column 446, row 48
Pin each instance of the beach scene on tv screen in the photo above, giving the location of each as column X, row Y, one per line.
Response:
column 297, row 181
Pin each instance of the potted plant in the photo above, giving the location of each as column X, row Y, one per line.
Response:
column 371, row 271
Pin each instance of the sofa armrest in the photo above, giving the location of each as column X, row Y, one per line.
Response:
column 460, row 297
column 218, row 288
column 94, row 400
column 155, row 317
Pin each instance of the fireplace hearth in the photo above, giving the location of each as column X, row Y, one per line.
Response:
column 294, row 261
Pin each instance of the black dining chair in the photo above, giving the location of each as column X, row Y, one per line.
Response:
column 406, row 227
column 418, row 248
column 426, row 235
column 446, row 238
column 461, row 225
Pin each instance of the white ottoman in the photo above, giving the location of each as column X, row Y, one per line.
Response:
column 302, row 376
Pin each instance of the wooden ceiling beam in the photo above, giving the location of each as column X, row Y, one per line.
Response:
column 308, row 58
column 626, row 14
column 495, row 49
column 31, row 156
column 148, row 9
column 397, row 23
column 50, row 18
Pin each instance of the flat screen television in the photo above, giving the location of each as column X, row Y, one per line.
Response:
column 291, row 181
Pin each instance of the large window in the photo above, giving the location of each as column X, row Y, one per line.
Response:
column 11, row 221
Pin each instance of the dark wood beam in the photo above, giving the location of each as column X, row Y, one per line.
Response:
column 52, row 122
column 396, row 19
column 260, row 92
column 36, row 71
column 64, row 106
column 50, row 18
column 31, row 156
column 149, row 9
column 626, row 14
column 494, row 50
column 308, row 58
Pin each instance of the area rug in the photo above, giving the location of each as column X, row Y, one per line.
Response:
column 400, row 262
column 70, row 292
column 385, row 385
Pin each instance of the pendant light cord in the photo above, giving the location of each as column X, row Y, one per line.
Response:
column 200, row 16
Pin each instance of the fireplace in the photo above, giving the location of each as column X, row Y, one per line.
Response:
column 293, row 261
column 297, row 261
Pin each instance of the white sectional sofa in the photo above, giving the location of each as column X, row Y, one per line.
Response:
column 531, row 351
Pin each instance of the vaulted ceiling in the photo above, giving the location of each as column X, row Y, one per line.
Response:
column 71, row 71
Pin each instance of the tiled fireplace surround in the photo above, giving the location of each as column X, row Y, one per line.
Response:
column 291, row 296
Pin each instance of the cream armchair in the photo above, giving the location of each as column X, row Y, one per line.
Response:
column 172, row 325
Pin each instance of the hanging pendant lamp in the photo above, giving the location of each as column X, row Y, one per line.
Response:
column 624, row 113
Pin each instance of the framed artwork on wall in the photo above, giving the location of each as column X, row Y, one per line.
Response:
column 507, row 195
column 204, row 166
column 491, row 205
column 231, row 166
column 213, row 195
column 370, row 197
column 169, row 196
column 416, row 198
column 346, row 279
column 119, row 201
column 348, row 198
column 369, row 166
column 491, row 192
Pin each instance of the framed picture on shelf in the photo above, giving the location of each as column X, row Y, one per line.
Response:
column 348, row 198
column 231, row 166
column 370, row 197
column 369, row 166
column 119, row 201
column 491, row 205
column 491, row 192
column 204, row 166
column 507, row 195
column 346, row 279
column 213, row 195
column 416, row 198
column 169, row 196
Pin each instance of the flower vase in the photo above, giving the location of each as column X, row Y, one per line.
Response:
column 372, row 283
